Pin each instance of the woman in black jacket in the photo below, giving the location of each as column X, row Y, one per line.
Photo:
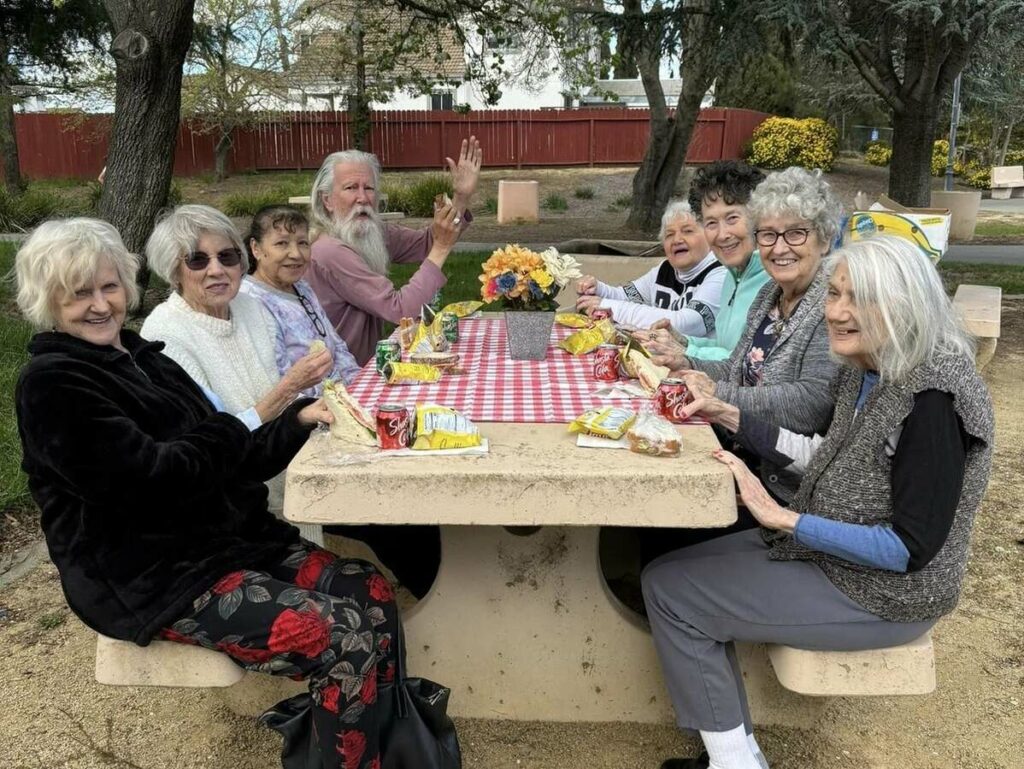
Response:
column 153, row 503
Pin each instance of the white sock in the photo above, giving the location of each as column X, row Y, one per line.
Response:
column 758, row 754
column 729, row 750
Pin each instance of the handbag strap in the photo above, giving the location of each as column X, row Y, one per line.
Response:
column 399, row 647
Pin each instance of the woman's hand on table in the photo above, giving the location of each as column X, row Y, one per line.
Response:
column 587, row 303
column 698, row 383
column 309, row 370
column 715, row 411
column 756, row 498
column 315, row 413
column 586, row 285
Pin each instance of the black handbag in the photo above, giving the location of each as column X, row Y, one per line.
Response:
column 416, row 730
column 293, row 720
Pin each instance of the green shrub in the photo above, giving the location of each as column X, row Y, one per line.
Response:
column 940, row 154
column 491, row 205
column 25, row 211
column 780, row 142
column 421, row 194
column 584, row 193
column 14, row 336
column 878, row 153
column 623, row 201
column 248, row 203
column 555, row 202
column 1014, row 158
column 977, row 176
column 397, row 197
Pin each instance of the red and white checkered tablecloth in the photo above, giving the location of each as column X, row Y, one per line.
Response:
column 495, row 388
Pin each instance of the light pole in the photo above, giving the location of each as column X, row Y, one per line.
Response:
column 954, row 121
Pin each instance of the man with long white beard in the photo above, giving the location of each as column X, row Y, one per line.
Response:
column 349, row 270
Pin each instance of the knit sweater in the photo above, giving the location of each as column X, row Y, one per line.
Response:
column 234, row 357
column 848, row 480
column 796, row 374
column 739, row 289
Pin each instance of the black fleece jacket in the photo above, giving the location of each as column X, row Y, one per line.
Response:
column 148, row 496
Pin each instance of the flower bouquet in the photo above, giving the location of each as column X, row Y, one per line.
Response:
column 527, row 283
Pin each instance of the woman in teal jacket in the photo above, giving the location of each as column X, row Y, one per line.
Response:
column 719, row 193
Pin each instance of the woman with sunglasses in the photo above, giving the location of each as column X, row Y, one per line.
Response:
column 278, row 243
column 223, row 339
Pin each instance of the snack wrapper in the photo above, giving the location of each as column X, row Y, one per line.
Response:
column 410, row 373
column 572, row 320
column 407, row 328
column 588, row 339
column 608, row 422
column 462, row 309
column 439, row 427
column 427, row 339
column 654, row 435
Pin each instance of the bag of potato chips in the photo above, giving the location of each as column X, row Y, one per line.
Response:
column 462, row 309
column 572, row 320
column 410, row 373
column 588, row 339
column 439, row 427
column 611, row 422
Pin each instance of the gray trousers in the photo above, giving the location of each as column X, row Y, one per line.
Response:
column 702, row 598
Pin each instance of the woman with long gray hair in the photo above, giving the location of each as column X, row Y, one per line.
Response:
column 873, row 548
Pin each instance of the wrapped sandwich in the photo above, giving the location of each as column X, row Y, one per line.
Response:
column 351, row 423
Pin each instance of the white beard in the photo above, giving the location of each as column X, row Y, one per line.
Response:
column 365, row 237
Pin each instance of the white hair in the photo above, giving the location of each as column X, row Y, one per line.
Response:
column 911, row 319
column 800, row 193
column 324, row 182
column 178, row 232
column 61, row 256
column 676, row 209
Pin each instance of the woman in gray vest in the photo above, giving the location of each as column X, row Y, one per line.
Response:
column 873, row 548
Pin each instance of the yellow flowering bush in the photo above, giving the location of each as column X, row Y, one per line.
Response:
column 878, row 153
column 525, row 280
column 780, row 142
column 940, row 154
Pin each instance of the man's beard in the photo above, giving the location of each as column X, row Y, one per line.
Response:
column 365, row 236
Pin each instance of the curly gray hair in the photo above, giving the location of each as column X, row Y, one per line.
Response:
column 802, row 194
column 676, row 209
column 178, row 232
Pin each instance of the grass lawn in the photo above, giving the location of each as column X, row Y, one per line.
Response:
column 999, row 229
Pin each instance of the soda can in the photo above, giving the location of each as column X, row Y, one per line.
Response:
column 606, row 363
column 435, row 303
column 600, row 313
column 388, row 351
column 671, row 399
column 393, row 425
column 450, row 326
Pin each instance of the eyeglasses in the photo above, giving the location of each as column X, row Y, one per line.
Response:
column 794, row 237
column 199, row 260
column 311, row 313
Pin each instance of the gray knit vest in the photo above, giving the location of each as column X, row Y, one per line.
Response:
column 848, row 480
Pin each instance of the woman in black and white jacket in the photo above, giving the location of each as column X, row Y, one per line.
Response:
column 685, row 289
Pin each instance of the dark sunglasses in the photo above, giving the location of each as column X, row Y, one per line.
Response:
column 199, row 260
column 311, row 312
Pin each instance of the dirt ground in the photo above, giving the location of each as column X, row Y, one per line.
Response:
column 53, row 715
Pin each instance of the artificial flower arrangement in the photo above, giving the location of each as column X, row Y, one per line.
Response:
column 525, row 280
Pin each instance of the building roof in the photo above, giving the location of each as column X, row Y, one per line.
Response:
column 628, row 91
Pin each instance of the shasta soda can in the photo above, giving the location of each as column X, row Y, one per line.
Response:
column 671, row 399
column 606, row 363
column 388, row 351
column 450, row 326
column 393, row 424
column 600, row 313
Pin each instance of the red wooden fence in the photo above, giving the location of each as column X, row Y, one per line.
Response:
column 61, row 146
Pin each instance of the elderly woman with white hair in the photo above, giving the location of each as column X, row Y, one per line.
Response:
column 873, row 549
column 684, row 290
column 153, row 506
column 352, row 256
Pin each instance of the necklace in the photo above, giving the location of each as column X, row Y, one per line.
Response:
column 779, row 323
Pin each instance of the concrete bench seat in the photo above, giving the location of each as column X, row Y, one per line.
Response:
column 897, row 670
column 385, row 216
column 1007, row 182
column 163, row 663
column 981, row 309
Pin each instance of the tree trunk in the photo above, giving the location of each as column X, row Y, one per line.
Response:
column 8, row 140
column 282, row 39
column 150, row 42
column 1006, row 144
column 913, row 134
column 358, row 104
column 220, row 157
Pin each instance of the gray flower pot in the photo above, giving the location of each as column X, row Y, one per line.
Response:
column 529, row 334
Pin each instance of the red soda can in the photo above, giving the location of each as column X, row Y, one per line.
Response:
column 672, row 397
column 606, row 363
column 393, row 426
column 600, row 313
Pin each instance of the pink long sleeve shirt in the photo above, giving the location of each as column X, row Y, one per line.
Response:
column 358, row 300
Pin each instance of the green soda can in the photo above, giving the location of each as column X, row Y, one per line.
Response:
column 435, row 303
column 450, row 326
column 388, row 351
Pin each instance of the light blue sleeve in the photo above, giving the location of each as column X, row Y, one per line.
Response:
column 250, row 418
column 344, row 364
column 877, row 546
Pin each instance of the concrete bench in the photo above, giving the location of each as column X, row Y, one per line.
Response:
column 385, row 216
column 1007, row 182
column 980, row 307
column 163, row 663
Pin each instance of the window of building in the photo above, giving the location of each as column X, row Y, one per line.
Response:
column 443, row 100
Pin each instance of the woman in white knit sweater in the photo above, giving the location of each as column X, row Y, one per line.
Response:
column 223, row 339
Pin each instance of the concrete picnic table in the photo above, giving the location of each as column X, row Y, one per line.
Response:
column 520, row 622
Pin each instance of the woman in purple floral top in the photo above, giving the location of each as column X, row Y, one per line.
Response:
column 278, row 244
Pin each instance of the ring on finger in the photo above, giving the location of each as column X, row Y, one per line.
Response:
column 456, row 220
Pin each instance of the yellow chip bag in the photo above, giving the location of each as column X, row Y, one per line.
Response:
column 610, row 422
column 588, row 339
column 462, row 309
column 439, row 427
column 409, row 373
column 572, row 320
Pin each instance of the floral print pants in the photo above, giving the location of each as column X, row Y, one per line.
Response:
column 312, row 616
